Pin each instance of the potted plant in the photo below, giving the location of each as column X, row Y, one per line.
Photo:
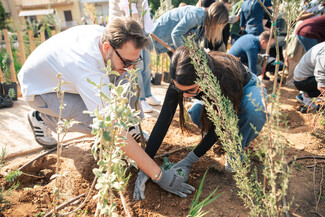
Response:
column 156, row 78
column 6, row 61
column 167, row 78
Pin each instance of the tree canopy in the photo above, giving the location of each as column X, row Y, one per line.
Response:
column 2, row 16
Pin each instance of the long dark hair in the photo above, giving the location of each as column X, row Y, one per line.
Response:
column 226, row 68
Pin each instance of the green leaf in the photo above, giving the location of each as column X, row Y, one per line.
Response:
column 118, row 186
column 101, row 124
column 103, row 95
column 13, row 175
column 108, row 118
column 91, row 82
column 107, row 136
column 97, row 172
column 124, row 125
column 119, row 90
column 133, row 163
column 115, row 73
column 195, row 209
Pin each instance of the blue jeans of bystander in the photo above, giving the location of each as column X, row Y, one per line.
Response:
column 307, row 43
column 144, row 75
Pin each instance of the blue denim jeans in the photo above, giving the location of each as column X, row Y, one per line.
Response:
column 307, row 43
column 144, row 75
column 247, row 115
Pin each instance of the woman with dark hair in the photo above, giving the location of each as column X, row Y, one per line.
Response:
column 190, row 20
column 237, row 83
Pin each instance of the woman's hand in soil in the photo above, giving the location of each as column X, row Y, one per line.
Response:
column 140, row 186
column 185, row 165
column 174, row 183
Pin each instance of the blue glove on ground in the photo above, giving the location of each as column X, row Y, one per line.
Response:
column 185, row 164
column 140, row 186
column 174, row 183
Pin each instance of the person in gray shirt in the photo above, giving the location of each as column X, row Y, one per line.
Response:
column 309, row 74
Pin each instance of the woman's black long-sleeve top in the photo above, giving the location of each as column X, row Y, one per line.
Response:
column 164, row 120
column 166, row 116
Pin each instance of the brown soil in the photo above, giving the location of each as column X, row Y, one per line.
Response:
column 34, row 195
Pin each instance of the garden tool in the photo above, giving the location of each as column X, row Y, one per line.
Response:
column 162, row 42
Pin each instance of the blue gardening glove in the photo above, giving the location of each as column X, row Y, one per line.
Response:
column 140, row 186
column 174, row 183
column 185, row 164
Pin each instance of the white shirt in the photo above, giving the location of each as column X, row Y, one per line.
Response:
column 76, row 55
column 312, row 63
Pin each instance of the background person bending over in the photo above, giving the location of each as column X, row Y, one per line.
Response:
column 80, row 53
column 236, row 82
column 251, row 16
column 190, row 20
column 309, row 74
column 247, row 48
column 311, row 32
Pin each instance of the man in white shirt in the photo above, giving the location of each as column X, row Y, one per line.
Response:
column 79, row 53
column 309, row 75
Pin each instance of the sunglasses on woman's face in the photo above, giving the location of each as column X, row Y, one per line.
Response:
column 127, row 63
column 187, row 91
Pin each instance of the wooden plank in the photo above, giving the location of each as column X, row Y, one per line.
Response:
column 31, row 40
column 2, row 78
column 8, row 48
column 42, row 36
column 167, row 62
column 53, row 32
column 21, row 47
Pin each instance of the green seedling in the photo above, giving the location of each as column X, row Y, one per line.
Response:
column 13, row 175
column 167, row 165
column 40, row 214
column 298, row 166
column 196, row 206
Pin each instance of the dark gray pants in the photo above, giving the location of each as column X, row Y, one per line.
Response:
column 48, row 106
column 309, row 86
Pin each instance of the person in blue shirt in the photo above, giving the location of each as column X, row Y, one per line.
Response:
column 247, row 48
column 251, row 17
column 190, row 20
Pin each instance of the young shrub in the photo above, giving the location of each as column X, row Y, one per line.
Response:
column 4, row 203
column 109, row 125
column 6, row 61
column 62, row 129
column 262, row 198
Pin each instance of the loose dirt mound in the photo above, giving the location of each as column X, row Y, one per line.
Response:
column 35, row 194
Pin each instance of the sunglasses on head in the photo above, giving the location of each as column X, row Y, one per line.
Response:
column 127, row 63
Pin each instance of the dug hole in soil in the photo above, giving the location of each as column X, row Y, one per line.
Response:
column 34, row 195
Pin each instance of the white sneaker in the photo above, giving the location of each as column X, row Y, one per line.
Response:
column 42, row 133
column 153, row 100
column 228, row 168
column 145, row 106
column 135, row 133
